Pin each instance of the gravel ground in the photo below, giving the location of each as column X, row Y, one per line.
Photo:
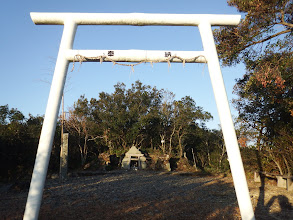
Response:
column 146, row 195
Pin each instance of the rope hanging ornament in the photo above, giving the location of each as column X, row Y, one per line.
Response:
column 80, row 58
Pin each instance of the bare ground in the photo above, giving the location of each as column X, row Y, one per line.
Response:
column 146, row 195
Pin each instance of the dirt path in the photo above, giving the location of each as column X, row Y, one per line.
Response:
column 147, row 195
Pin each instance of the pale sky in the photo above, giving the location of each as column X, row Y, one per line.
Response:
column 29, row 52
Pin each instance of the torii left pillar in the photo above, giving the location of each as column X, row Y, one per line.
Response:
column 47, row 134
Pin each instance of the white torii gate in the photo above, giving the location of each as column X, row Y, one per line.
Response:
column 67, row 54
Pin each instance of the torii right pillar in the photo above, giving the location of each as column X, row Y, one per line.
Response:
column 236, row 165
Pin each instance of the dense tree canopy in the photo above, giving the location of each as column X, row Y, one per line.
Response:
column 146, row 117
column 141, row 115
column 18, row 140
column 136, row 116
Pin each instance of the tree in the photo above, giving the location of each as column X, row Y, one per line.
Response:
column 80, row 122
column 143, row 104
column 186, row 113
column 263, row 40
column 19, row 138
column 206, row 148
column 128, row 117
column 267, row 26
column 4, row 112
column 167, row 128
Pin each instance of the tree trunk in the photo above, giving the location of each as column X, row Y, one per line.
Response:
column 170, row 140
column 163, row 144
column 287, row 166
column 85, row 149
column 277, row 163
column 193, row 158
column 259, row 139
column 221, row 156
column 81, row 156
column 209, row 158
column 180, row 142
column 180, row 146
column 124, row 144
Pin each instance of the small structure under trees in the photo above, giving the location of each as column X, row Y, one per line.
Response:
column 134, row 158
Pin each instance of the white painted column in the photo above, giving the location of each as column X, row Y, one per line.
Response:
column 48, row 130
column 227, row 125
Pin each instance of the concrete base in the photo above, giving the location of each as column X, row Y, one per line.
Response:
column 281, row 182
column 256, row 177
column 290, row 186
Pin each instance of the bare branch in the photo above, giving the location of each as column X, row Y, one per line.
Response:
column 283, row 22
column 267, row 38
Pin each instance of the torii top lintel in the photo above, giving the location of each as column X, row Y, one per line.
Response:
column 136, row 19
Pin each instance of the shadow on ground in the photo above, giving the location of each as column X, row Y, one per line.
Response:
column 271, row 205
column 140, row 195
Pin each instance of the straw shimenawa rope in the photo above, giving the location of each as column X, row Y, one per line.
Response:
column 80, row 58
